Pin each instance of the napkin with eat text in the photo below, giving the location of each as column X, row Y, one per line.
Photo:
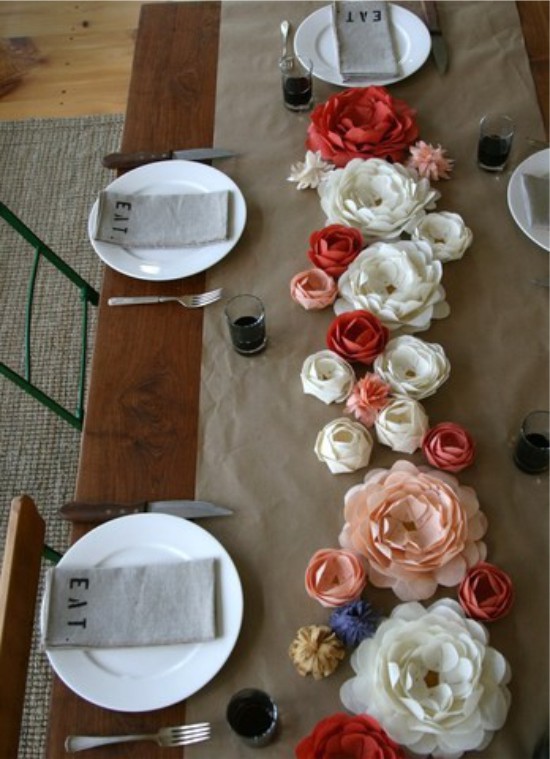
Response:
column 149, row 605
column 161, row 221
column 364, row 40
column 536, row 196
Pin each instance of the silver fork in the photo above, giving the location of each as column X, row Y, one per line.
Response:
column 184, row 735
column 189, row 301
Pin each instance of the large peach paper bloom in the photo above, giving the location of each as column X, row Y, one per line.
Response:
column 417, row 527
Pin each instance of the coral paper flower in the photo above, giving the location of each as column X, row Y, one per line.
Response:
column 362, row 122
column 431, row 680
column 342, row 736
column 367, row 398
column 313, row 289
column 416, row 527
column 334, row 576
column 486, row 593
column 449, row 446
column 430, row 162
column 357, row 336
column 334, row 247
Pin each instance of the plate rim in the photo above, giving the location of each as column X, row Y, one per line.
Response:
column 513, row 205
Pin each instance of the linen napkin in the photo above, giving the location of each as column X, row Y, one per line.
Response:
column 161, row 221
column 149, row 605
column 536, row 195
column 364, row 40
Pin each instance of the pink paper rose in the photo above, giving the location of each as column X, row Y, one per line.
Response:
column 369, row 395
column 357, row 336
column 449, row 446
column 334, row 247
column 417, row 528
column 334, row 576
column 313, row 289
column 362, row 122
column 486, row 593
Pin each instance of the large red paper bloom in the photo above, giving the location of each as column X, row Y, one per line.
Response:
column 334, row 247
column 357, row 336
column 449, row 446
column 344, row 736
column 486, row 593
column 362, row 122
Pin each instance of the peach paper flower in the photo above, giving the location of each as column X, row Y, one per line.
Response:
column 357, row 336
column 334, row 577
column 417, row 528
column 449, row 446
column 430, row 162
column 486, row 593
column 368, row 397
column 313, row 289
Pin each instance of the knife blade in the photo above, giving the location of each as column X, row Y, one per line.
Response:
column 440, row 53
column 82, row 511
column 133, row 160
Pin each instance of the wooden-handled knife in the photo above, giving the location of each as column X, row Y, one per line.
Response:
column 440, row 53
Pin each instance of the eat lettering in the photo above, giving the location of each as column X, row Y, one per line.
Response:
column 376, row 16
column 75, row 603
column 124, row 214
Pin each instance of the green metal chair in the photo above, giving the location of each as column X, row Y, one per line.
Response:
column 88, row 296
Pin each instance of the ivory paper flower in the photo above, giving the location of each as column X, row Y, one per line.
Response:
column 413, row 367
column 344, row 446
column 446, row 232
column 367, row 398
column 327, row 376
column 417, row 528
column 431, row 680
column 399, row 282
column 486, row 593
column 380, row 199
column 310, row 172
column 313, row 289
column 334, row 576
column 402, row 424
column 430, row 162
column 449, row 446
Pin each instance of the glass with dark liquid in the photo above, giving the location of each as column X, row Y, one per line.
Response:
column 496, row 132
column 245, row 316
column 253, row 716
column 532, row 452
column 297, row 81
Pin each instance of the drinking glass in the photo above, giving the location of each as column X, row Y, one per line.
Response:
column 253, row 716
column 496, row 132
column 297, row 81
column 532, row 452
column 245, row 316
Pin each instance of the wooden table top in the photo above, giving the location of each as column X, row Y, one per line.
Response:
column 140, row 433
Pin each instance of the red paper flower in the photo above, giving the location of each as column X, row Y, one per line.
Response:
column 334, row 247
column 486, row 592
column 357, row 336
column 449, row 446
column 362, row 122
column 344, row 736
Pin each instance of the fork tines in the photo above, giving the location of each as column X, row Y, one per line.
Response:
column 187, row 734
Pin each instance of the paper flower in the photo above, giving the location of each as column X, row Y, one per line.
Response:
column 399, row 282
column 313, row 289
column 316, row 651
column 402, row 424
column 413, row 367
column 449, row 446
column 327, row 376
column 431, row 680
column 430, row 162
column 486, row 593
column 354, row 622
column 344, row 446
column 367, row 398
column 447, row 234
column 362, row 122
column 380, row 199
column 334, row 247
column 357, row 336
column 335, row 577
column 310, row 172
column 352, row 737
column 417, row 528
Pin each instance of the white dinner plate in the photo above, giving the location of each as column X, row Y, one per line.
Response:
column 147, row 678
column 537, row 164
column 315, row 39
column 163, row 178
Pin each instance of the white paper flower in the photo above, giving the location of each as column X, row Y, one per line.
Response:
column 310, row 172
column 344, row 446
column 381, row 199
column 402, row 424
column 413, row 367
column 431, row 680
column 446, row 233
column 327, row 376
column 399, row 282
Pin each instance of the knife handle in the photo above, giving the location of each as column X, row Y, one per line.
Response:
column 431, row 15
column 80, row 511
column 133, row 160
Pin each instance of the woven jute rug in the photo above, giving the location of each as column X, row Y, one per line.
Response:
column 50, row 174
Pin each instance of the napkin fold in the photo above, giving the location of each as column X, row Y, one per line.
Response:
column 161, row 221
column 536, row 195
column 364, row 40
column 150, row 605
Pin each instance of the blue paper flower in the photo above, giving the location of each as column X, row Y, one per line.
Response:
column 354, row 622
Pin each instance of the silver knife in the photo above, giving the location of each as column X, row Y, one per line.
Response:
column 133, row 160
column 439, row 46
column 81, row 511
